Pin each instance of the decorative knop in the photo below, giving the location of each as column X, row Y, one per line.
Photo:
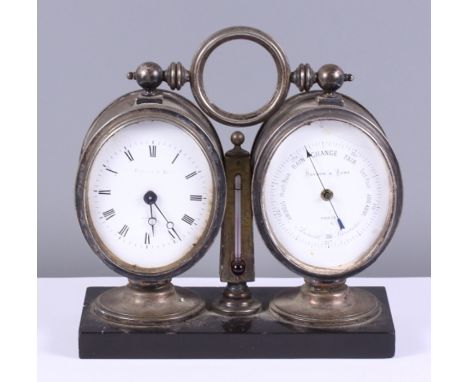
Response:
column 237, row 138
column 303, row 77
column 176, row 75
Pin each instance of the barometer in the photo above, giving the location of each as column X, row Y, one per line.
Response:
column 327, row 195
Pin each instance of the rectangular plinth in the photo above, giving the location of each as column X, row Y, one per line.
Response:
column 210, row 335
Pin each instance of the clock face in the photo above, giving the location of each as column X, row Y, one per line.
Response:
column 327, row 196
column 150, row 194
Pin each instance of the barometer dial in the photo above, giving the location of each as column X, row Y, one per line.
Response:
column 327, row 194
column 327, row 198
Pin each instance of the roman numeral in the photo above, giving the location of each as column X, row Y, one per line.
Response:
column 192, row 174
column 175, row 158
column 123, row 231
column 128, row 154
column 196, row 198
column 108, row 169
column 152, row 151
column 108, row 214
column 147, row 238
column 187, row 219
column 104, row 192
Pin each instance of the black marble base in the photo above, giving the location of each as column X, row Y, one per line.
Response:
column 210, row 335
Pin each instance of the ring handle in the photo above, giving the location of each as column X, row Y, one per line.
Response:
column 198, row 66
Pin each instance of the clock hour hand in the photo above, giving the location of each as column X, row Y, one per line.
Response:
column 150, row 198
column 326, row 194
column 152, row 219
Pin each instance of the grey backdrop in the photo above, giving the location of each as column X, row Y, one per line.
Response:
column 87, row 47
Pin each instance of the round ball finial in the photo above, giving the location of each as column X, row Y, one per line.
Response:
column 237, row 138
column 148, row 75
column 330, row 77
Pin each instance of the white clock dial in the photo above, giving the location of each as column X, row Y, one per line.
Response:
column 327, row 195
column 150, row 193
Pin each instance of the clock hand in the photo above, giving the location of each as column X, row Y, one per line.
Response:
column 150, row 198
column 326, row 194
column 152, row 219
column 169, row 224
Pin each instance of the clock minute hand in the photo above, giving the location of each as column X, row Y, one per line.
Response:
column 169, row 224
column 326, row 193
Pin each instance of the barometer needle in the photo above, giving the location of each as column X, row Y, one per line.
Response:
column 338, row 220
